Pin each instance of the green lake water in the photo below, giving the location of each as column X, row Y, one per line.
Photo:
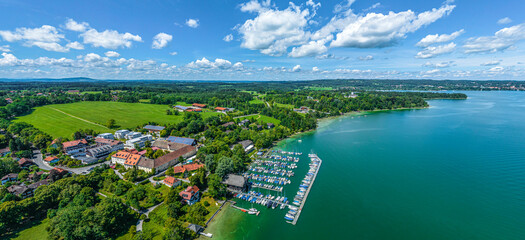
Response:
column 453, row 171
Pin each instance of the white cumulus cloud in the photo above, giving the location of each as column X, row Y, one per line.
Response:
column 501, row 40
column 109, row 39
column 297, row 68
column 5, row 48
column 505, row 20
column 75, row 45
column 228, row 38
column 75, row 26
column 436, row 38
column 45, row 37
column 433, row 51
column 112, row 54
column 366, row 58
column 491, row 63
column 193, row 23
column 161, row 40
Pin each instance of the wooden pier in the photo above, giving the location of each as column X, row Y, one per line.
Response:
column 267, row 188
column 244, row 209
column 296, row 217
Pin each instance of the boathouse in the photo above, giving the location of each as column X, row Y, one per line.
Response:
column 235, row 182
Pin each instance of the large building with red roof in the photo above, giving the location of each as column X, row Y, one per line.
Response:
column 191, row 195
column 75, row 146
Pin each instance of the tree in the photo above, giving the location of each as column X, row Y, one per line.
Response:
column 215, row 188
column 199, row 178
column 210, row 163
column 224, row 167
column 175, row 209
column 197, row 213
column 181, row 160
column 110, row 123
column 170, row 171
column 77, row 135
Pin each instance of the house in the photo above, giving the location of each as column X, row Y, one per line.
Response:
column 244, row 122
column 181, row 108
column 167, row 145
column 198, row 105
column 5, row 151
column 194, row 110
column 302, row 109
column 25, row 163
column 196, row 228
column 171, row 181
column 164, row 162
column 20, row 191
column 183, row 140
column 120, row 157
column 51, row 159
column 154, row 129
column 9, row 178
column 140, row 141
column 99, row 152
column 75, row 146
column 106, row 136
column 120, row 134
column 132, row 160
column 55, row 144
column 114, row 144
column 221, row 109
column 228, row 124
column 247, row 145
column 235, row 182
column 38, row 184
column 133, row 135
column 187, row 168
column 191, row 195
column 35, row 176
column 9, row 100
column 270, row 125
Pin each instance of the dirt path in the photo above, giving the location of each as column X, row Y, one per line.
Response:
column 73, row 116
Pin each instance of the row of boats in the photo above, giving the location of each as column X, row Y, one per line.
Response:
column 267, row 178
column 288, row 152
column 274, row 164
column 268, row 200
column 284, row 158
column 274, row 171
column 306, row 183
column 267, row 186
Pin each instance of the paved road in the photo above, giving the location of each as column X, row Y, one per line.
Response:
column 42, row 165
column 139, row 223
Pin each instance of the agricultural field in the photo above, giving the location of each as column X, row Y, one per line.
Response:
column 290, row 106
column 256, row 101
column 61, row 120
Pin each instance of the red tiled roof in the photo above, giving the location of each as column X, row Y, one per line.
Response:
column 199, row 105
column 187, row 167
column 60, row 170
column 50, row 158
column 121, row 154
column 74, row 143
column 220, row 108
column 194, row 110
column 170, row 180
column 133, row 159
column 23, row 161
column 189, row 192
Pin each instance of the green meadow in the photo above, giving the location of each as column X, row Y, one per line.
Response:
column 61, row 120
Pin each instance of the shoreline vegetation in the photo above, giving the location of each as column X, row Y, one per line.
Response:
column 221, row 116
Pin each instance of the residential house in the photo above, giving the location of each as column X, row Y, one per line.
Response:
column 120, row 157
column 35, row 176
column 75, row 146
column 154, row 129
column 34, row 186
column 20, row 191
column 181, row 108
column 106, row 136
column 244, row 122
column 132, row 160
column 171, row 181
column 235, row 182
column 198, row 105
column 55, row 144
column 270, row 125
column 9, row 178
column 51, row 159
column 164, row 162
column 133, row 135
column 221, row 109
column 187, row 168
column 99, row 152
column 5, row 151
column 25, row 163
column 140, row 141
column 191, row 195
column 120, row 134
column 194, row 110
column 247, row 145
column 114, row 144
column 183, row 140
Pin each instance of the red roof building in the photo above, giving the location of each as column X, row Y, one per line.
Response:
column 221, row 109
column 199, row 105
column 75, row 146
column 188, row 167
column 191, row 195
column 51, row 159
column 171, row 181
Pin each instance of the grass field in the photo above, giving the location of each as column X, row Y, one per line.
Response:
column 61, row 120
column 290, row 106
column 35, row 231
column 262, row 118
column 256, row 101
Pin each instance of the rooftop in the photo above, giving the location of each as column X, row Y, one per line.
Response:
column 235, row 180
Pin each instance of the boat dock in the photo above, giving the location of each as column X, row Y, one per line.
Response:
column 244, row 209
column 261, row 187
column 296, row 217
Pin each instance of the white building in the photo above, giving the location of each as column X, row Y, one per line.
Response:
column 106, row 136
column 120, row 134
column 133, row 135
column 140, row 141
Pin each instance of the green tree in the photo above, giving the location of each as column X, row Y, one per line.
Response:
column 111, row 123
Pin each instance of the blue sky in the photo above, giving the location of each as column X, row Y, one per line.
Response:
column 263, row 40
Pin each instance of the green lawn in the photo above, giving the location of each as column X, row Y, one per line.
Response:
column 262, row 118
column 256, row 101
column 127, row 115
column 283, row 105
column 35, row 231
